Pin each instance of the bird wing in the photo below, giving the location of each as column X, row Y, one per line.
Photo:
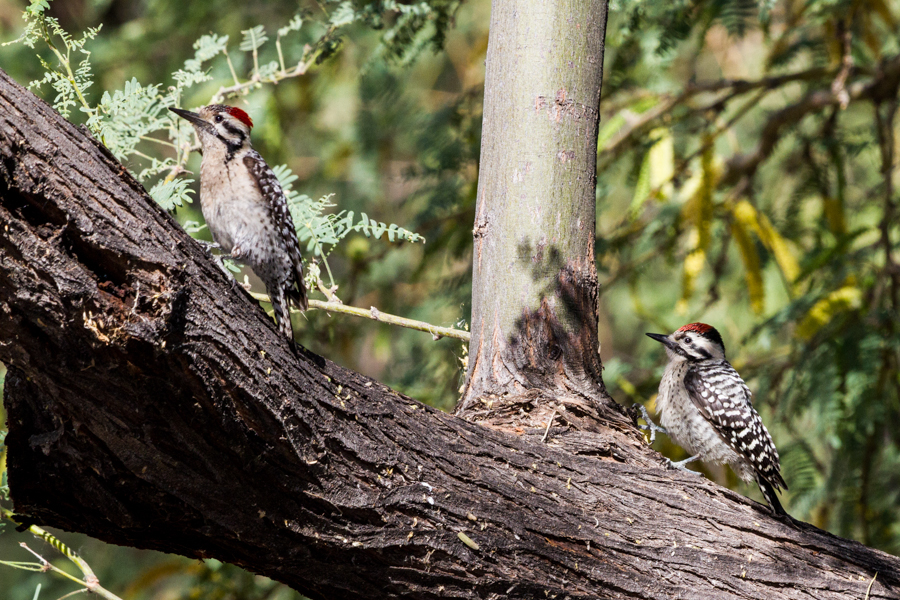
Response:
column 723, row 399
column 270, row 187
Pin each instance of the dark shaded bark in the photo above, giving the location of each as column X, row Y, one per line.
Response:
column 534, row 299
column 153, row 404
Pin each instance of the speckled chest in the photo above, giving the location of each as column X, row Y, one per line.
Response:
column 235, row 211
column 686, row 425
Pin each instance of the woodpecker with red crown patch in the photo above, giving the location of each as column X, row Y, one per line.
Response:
column 705, row 407
column 246, row 209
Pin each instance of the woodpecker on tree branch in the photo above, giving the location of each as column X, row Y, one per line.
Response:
column 245, row 208
column 705, row 408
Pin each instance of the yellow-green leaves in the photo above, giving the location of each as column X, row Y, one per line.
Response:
column 657, row 170
column 747, row 225
column 834, row 213
column 847, row 297
column 778, row 246
column 750, row 219
column 611, row 131
column 693, row 265
column 740, row 232
column 698, row 211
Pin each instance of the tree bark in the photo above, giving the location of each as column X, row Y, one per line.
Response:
column 534, row 300
column 153, row 404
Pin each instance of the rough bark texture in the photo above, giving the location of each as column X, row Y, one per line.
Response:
column 536, row 207
column 153, row 404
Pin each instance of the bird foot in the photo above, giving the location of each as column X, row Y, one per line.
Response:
column 220, row 260
column 237, row 253
column 650, row 426
column 680, row 465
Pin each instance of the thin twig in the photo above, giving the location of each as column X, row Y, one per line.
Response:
column 230, row 68
column 737, row 87
column 141, row 154
column 283, row 71
column 549, row 423
column 869, row 589
column 147, row 138
column 90, row 581
column 238, row 87
column 376, row 315
column 65, row 61
column 47, row 566
column 839, row 85
column 255, row 55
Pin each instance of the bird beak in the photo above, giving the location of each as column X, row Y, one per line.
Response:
column 189, row 116
column 663, row 339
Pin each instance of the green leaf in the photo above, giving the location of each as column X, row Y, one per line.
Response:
column 767, row 234
column 343, row 15
column 293, row 25
column 609, row 129
column 206, row 48
column 253, row 38
column 740, row 231
column 170, row 194
column 656, row 172
column 848, row 298
column 37, row 7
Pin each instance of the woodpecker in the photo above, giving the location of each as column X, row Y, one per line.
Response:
column 705, row 408
column 246, row 209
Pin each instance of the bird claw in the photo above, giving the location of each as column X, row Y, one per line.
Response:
column 219, row 259
column 237, row 253
column 653, row 428
column 650, row 426
column 680, row 465
column 209, row 246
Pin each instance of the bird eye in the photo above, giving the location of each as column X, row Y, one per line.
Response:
column 218, row 118
column 688, row 341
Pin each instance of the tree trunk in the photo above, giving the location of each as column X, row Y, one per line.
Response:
column 534, row 299
column 153, row 404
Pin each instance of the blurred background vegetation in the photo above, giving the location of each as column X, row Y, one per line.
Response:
column 746, row 179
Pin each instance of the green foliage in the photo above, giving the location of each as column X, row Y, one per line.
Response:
column 70, row 81
column 254, row 38
column 213, row 580
column 136, row 113
column 323, row 231
column 172, row 193
column 737, row 16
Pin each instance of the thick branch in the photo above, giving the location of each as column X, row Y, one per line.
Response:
column 153, row 404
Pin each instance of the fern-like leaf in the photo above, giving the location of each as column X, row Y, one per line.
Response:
column 253, row 38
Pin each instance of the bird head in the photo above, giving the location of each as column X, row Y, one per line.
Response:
column 218, row 123
column 693, row 342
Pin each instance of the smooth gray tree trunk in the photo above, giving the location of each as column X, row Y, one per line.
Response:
column 534, row 301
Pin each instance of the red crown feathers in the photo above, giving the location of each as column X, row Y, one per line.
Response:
column 240, row 115
column 707, row 331
column 700, row 328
